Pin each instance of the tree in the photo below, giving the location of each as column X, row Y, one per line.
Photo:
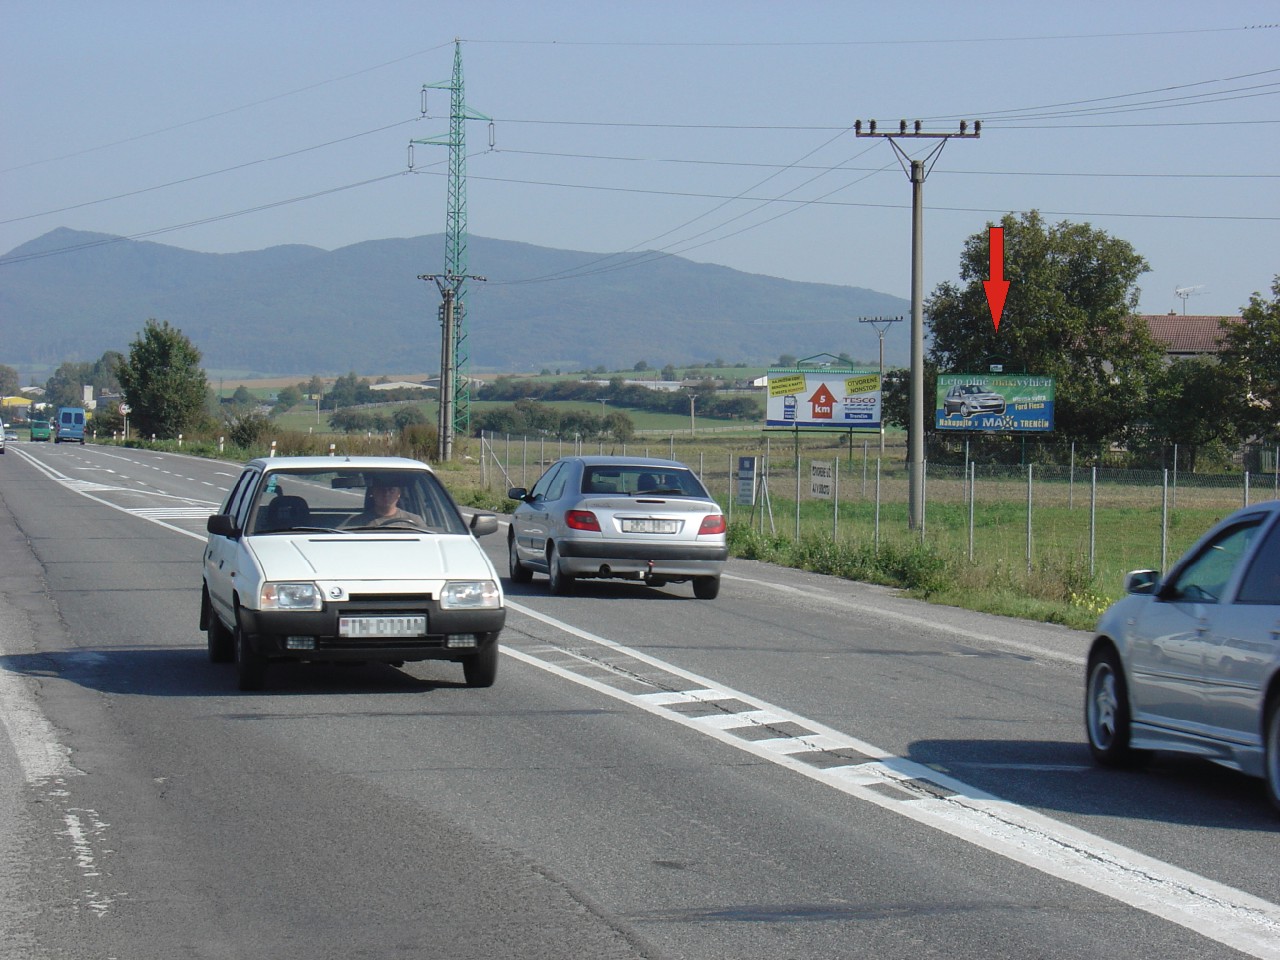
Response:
column 288, row 398
column 1070, row 314
column 163, row 381
column 9, row 381
column 406, row 417
column 1191, row 406
column 1252, row 355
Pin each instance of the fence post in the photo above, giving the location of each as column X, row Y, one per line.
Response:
column 1093, row 516
column 972, row 479
column 1071, row 479
column 1246, row 488
column 1028, row 518
column 1164, row 523
column 835, row 500
column 877, row 538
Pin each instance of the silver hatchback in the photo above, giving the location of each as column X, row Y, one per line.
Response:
column 1191, row 662
column 628, row 518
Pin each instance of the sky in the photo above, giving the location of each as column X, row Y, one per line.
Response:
column 716, row 130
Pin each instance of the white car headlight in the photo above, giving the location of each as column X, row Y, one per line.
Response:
column 470, row 595
column 291, row 596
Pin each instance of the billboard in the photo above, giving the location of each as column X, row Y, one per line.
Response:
column 847, row 399
column 994, row 402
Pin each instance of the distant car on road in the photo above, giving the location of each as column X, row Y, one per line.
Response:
column 351, row 559
column 69, row 425
column 970, row 398
column 1191, row 662
column 40, row 430
column 11, row 435
column 628, row 518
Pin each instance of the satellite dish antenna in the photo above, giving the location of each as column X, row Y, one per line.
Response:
column 1185, row 292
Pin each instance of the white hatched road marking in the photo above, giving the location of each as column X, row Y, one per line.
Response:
column 1211, row 909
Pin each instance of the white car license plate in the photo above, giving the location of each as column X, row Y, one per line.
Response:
column 382, row 626
column 650, row 526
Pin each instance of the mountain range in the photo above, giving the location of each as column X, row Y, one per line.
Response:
column 296, row 309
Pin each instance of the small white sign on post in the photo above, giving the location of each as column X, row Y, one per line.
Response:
column 822, row 483
column 746, row 492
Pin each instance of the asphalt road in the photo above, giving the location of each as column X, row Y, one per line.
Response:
column 802, row 768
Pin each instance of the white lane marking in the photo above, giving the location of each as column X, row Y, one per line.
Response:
column 41, row 755
column 192, row 509
column 924, row 623
column 942, row 802
column 1206, row 907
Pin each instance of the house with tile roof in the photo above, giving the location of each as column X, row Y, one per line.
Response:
column 1184, row 337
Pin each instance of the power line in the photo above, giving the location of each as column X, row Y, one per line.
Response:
column 202, row 176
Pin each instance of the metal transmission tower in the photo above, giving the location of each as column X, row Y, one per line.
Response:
column 919, row 169
column 454, row 380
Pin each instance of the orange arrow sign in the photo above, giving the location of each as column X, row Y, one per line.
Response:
column 997, row 287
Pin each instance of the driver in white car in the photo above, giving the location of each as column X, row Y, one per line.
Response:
column 383, row 508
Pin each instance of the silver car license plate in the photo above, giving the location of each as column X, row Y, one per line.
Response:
column 366, row 627
column 650, row 526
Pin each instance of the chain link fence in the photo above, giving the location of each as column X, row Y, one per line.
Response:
column 1089, row 522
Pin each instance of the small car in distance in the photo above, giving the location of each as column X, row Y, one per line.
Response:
column 969, row 399
column 11, row 435
column 40, row 430
column 1191, row 662
column 348, row 559
column 627, row 518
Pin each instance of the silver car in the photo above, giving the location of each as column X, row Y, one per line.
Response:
column 629, row 518
column 1191, row 662
column 970, row 398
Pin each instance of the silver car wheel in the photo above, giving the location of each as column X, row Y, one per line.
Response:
column 1271, row 768
column 1102, row 707
column 1106, row 711
column 561, row 582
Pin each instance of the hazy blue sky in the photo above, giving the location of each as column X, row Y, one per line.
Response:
column 719, row 131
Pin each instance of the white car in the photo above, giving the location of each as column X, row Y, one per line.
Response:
column 348, row 559
column 1191, row 662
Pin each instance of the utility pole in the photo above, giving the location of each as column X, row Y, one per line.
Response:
column 455, row 241
column 881, row 325
column 449, row 285
column 917, row 171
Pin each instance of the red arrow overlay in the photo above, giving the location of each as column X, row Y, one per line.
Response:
column 997, row 287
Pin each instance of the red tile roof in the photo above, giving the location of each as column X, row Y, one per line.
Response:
column 1188, row 336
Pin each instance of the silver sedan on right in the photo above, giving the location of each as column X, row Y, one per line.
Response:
column 628, row 518
column 1190, row 662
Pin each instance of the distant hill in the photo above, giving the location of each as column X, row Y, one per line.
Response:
column 300, row 310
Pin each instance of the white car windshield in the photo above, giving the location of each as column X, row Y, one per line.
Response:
column 354, row 500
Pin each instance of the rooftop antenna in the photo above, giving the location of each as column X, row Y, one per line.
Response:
column 1185, row 292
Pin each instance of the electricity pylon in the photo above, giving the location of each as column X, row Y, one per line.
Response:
column 455, row 380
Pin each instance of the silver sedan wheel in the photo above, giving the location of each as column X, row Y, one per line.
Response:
column 1106, row 712
column 1271, row 769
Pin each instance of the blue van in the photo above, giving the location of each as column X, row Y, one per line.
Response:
column 69, row 426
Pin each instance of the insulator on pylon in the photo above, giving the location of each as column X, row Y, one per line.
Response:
column 424, row 101
column 492, row 135
column 411, row 155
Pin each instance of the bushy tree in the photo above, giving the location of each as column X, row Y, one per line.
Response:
column 9, row 381
column 406, row 417
column 163, row 381
column 1252, row 355
column 1070, row 314
column 1191, row 405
